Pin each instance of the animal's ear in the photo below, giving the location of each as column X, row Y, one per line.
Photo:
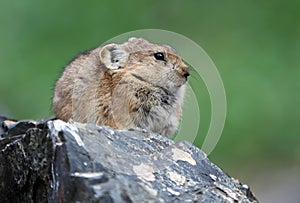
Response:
column 113, row 56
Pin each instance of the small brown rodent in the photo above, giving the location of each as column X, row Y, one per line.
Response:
column 134, row 84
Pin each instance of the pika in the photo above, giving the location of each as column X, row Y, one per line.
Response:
column 134, row 84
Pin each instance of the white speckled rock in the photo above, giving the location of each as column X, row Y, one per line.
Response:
column 68, row 162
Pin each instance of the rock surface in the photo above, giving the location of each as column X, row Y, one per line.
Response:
column 54, row 161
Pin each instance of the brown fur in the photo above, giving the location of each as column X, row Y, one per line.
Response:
column 124, row 86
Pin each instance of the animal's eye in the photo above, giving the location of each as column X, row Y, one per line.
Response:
column 159, row 56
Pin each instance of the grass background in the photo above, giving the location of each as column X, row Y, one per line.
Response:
column 255, row 46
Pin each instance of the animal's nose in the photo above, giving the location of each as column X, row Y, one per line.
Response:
column 185, row 71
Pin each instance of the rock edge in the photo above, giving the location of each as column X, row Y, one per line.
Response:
column 54, row 161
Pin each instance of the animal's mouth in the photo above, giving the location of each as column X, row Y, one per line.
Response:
column 185, row 71
column 183, row 76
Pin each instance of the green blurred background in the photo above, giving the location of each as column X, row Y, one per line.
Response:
column 255, row 46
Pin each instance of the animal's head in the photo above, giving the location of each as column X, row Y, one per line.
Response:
column 159, row 65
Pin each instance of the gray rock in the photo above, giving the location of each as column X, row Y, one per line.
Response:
column 54, row 161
